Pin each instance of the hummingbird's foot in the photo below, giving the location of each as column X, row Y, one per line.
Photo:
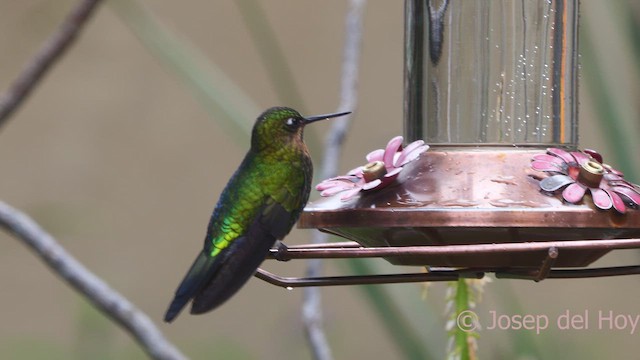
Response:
column 281, row 251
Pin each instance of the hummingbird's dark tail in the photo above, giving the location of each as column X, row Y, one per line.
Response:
column 212, row 280
column 237, row 265
column 198, row 275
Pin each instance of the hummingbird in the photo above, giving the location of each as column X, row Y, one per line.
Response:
column 259, row 205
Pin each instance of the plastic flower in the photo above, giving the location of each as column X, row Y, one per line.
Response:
column 577, row 172
column 382, row 169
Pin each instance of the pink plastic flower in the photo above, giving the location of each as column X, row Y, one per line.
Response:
column 578, row 171
column 381, row 170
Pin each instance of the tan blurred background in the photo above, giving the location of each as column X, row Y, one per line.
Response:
column 115, row 157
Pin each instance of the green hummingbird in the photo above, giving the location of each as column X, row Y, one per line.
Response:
column 260, row 204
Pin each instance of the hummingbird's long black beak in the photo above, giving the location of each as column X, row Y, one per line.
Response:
column 310, row 119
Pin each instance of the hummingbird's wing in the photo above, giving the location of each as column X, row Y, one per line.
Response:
column 243, row 256
column 212, row 280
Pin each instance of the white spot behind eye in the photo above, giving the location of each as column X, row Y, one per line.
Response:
column 291, row 121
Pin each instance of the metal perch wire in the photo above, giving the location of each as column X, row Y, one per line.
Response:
column 549, row 252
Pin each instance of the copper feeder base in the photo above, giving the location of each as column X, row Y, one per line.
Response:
column 473, row 196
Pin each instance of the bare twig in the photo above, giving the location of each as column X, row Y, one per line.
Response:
column 84, row 281
column 50, row 51
column 311, row 308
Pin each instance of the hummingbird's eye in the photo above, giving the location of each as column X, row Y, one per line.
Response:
column 292, row 122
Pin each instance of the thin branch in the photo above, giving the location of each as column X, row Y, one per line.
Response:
column 84, row 281
column 311, row 308
column 53, row 48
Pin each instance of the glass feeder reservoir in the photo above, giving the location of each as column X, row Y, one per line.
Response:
column 491, row 72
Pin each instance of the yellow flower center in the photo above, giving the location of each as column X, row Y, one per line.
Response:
column 373, row 170
column 591, row 173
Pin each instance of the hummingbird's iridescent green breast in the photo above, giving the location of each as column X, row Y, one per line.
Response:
column 280, row 177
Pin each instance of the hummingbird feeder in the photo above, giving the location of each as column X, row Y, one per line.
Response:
column 491, row 86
